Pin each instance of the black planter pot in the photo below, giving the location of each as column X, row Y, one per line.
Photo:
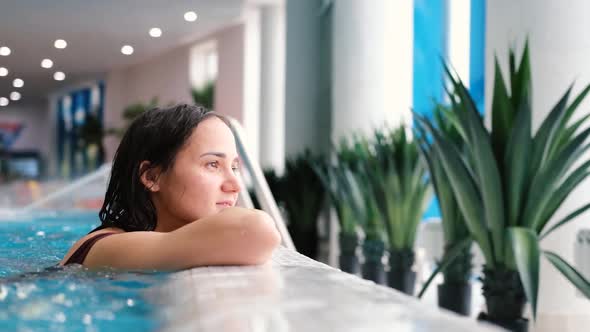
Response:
column 505, row 299
column 455, row 297
column 348, row 259
column 403, row 280
column 306, row 242
column 400, row 275
column 514, row 325
column 349, row 263
column 373, row 268
column 374, row 271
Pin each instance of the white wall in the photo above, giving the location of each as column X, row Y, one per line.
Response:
column 165, row 77
column 229, row 95
column 559, row 53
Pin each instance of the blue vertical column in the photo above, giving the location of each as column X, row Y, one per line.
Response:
column 429, row 46
column 85, row 109
column 101, row 89
column 430, row 31
column 60, row 133
column 73, row 137
column 477, row 53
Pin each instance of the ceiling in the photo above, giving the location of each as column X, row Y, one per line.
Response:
column 95, row 32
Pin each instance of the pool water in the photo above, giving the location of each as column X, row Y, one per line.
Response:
column 35, row 295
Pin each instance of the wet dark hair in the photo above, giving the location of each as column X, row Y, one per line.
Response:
column 156, row 136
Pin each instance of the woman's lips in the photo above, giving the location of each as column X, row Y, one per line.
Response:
column 225, row 203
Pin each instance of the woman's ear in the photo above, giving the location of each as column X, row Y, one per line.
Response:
column 149, row 176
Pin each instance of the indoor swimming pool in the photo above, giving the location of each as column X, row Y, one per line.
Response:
column 35, row 295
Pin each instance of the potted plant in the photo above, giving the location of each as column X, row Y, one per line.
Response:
column 129, row 114
column 508, row 184
column 343, row 191
column 361, row 159
column 205, row 95
column 301, row 195
column 91, row 134
column 455, row 292
column 402, row 191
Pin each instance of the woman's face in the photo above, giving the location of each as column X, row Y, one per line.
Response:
column 203, row 179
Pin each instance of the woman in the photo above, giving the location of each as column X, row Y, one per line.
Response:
column 170, row 202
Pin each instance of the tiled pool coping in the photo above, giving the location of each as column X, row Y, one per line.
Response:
column 294, row 293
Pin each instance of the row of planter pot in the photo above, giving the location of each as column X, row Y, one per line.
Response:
column 399, row 273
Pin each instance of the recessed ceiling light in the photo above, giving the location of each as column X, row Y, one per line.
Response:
column 3, row 101
column 18, row 83
column 46, row 63
column 60, row 43
column 59, row 76
column 15, row 96
column 190, row 16
column 127, row 50
column 3, row 71
column 4, row 51
column 155, row 32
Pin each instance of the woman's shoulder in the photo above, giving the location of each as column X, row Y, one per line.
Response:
column 87, row 237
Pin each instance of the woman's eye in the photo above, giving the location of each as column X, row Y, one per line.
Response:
column 236, row 169
column 213, row 164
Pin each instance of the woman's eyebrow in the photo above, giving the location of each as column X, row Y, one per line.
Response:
column 217, row 154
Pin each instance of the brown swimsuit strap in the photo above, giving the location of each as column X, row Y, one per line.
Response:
column 80, row 254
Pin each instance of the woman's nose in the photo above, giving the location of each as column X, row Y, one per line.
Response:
column 232, row 183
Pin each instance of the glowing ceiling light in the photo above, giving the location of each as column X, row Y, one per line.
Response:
column 15, row 96
column 190, row 16
column 60, row 43
column 127, row 50
column 5, row 51
column 46, row 63
column 18, row 83
column 3, row 101
column 155, row 32
column 3, row 71
column 59, row 76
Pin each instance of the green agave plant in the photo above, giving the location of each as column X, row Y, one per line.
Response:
column 400, row 186
column 453, row 224
column 508, row 183
column 205, row 95
column 342, row 187
column 302, row 193
column 358, row 156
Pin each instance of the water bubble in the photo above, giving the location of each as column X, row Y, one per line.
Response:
column 3, row 292
column 130, row 302
column 60, row 317
column 104, row 315
column 87, row 319
column 40, row 233
column 23, row 291
column 59, row 298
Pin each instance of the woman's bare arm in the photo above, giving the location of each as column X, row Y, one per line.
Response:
column 235, row 236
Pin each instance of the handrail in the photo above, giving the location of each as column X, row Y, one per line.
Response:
column 103, row 171
column 261, row 188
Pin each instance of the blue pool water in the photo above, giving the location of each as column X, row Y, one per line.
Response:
column 37, row 296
